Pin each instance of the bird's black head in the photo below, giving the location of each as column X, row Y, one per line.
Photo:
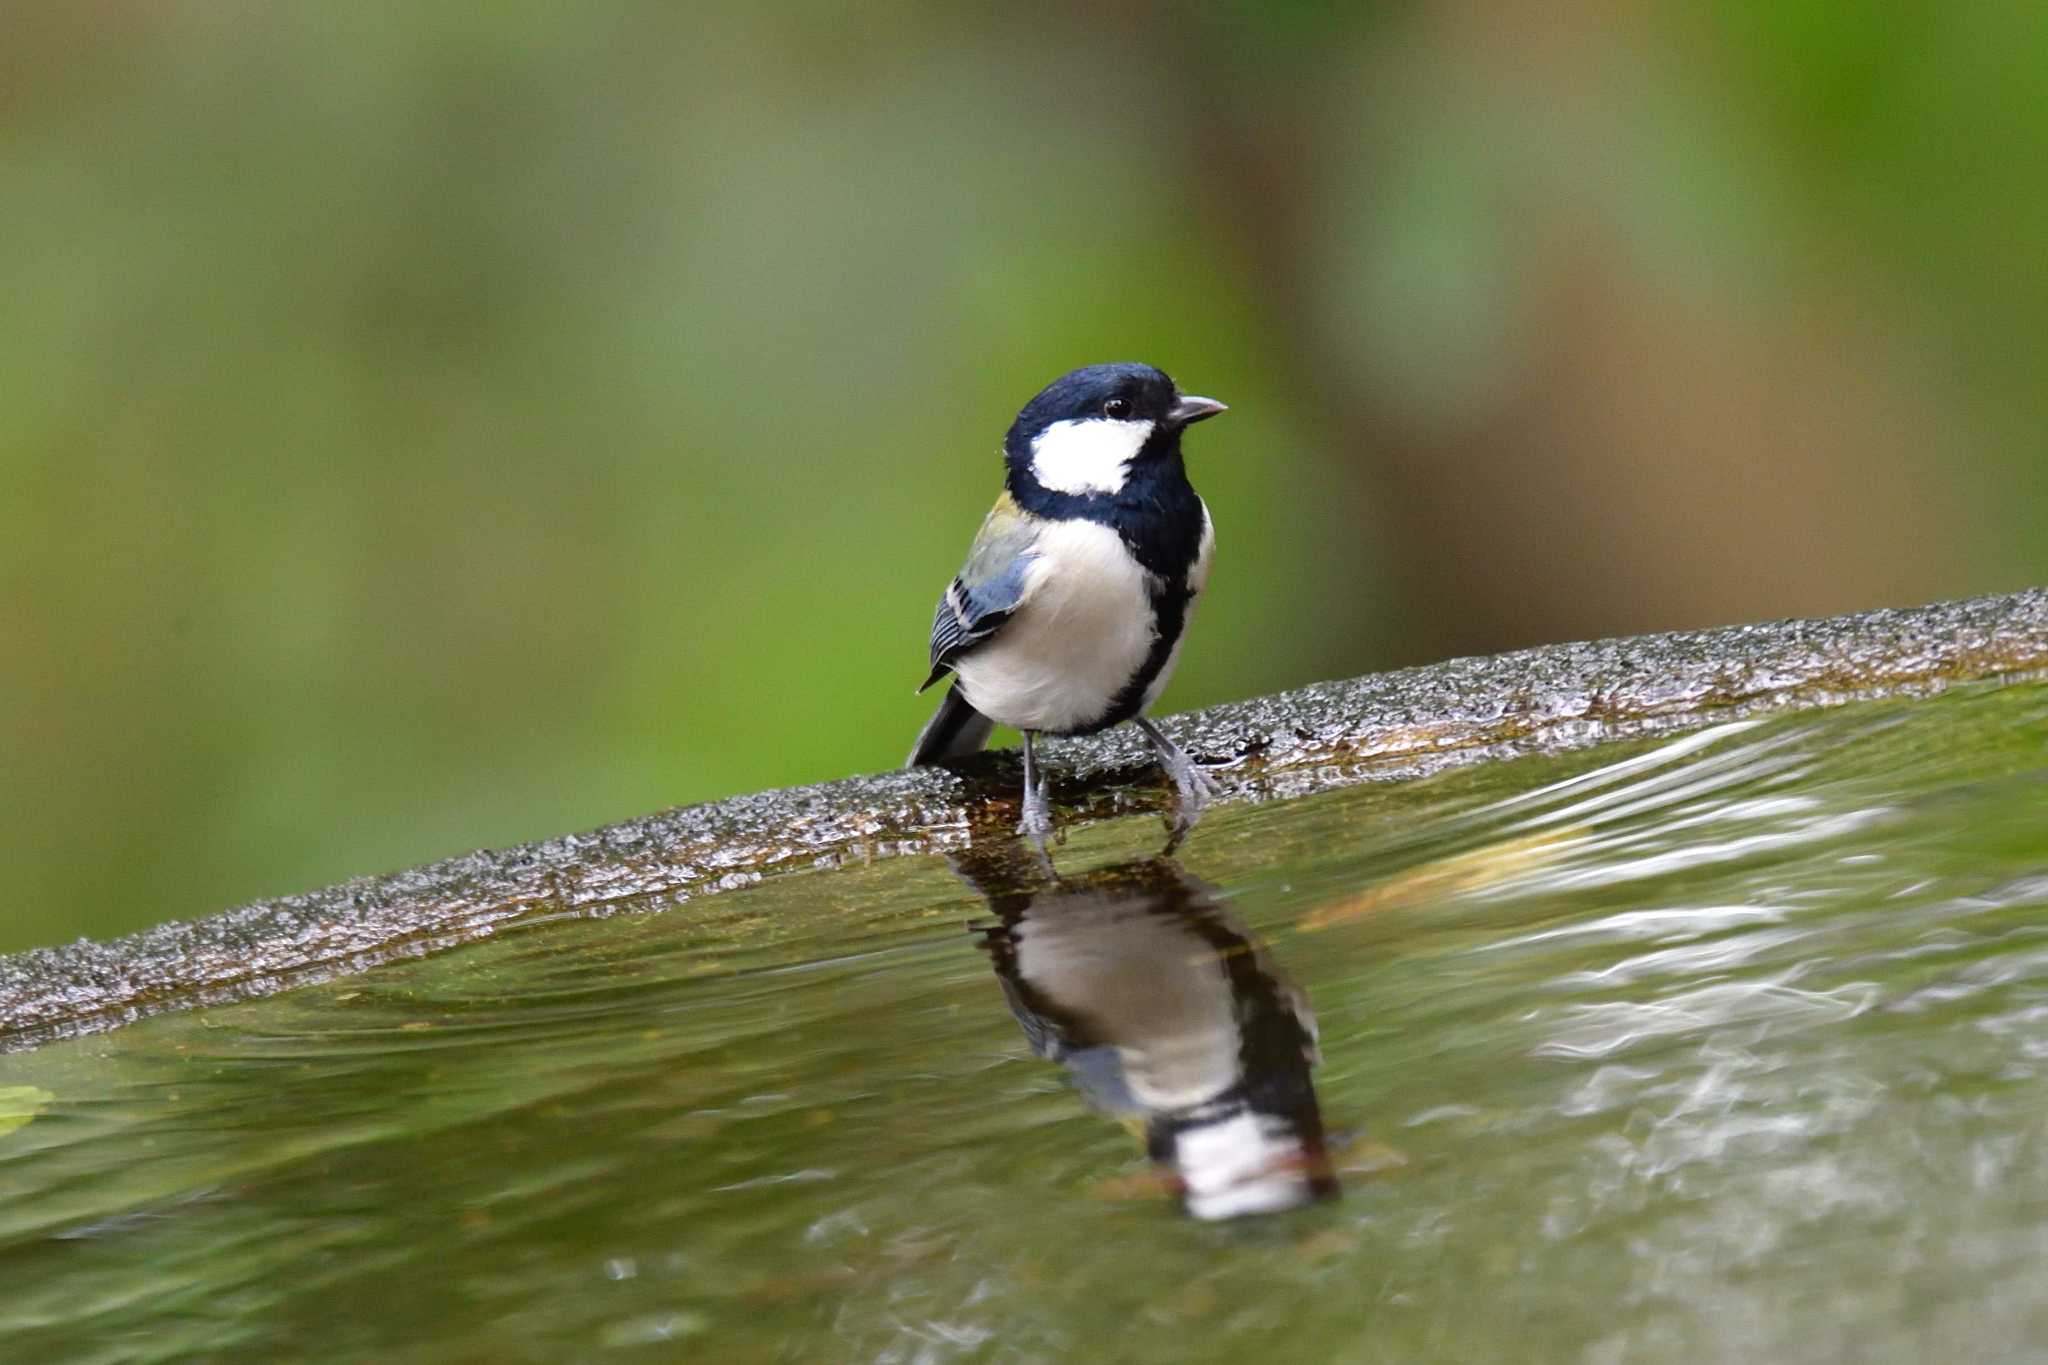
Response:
column 1084, row 431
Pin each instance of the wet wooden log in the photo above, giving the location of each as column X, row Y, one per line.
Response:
column 1386, row 726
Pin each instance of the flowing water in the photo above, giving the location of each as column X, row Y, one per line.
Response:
column 1731, row 1046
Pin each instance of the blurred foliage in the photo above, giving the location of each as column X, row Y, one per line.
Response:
column 426, row 426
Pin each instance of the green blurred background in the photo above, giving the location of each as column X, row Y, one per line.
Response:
column 437, row 425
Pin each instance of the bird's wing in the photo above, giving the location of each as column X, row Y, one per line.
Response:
column 988, row 588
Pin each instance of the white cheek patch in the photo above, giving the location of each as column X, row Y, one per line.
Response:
column 1088, row 456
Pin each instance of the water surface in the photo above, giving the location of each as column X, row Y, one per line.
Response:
column 1728, row 1046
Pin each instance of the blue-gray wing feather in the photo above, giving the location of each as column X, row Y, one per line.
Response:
column 988, row 588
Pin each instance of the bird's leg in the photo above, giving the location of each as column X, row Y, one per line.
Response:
column 1037, row 821
column 1195, row 786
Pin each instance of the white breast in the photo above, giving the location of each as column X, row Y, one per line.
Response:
column 1145, row 984
column 1083, row 629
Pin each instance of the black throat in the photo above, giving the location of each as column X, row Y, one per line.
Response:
column 1155, row 513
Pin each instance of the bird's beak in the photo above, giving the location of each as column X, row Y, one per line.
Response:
column 1193, row 409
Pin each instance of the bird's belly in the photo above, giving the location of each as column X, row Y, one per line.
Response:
column 1142, row 983
column 1081, row 635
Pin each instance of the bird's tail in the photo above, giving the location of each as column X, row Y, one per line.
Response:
column 954, row 731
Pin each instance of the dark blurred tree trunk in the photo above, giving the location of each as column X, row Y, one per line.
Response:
column 1656, row 461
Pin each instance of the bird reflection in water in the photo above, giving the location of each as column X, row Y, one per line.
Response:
column 1168, row 1017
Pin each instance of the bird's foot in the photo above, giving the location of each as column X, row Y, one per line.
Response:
column 1195, row 790
column 1196, row 787
column 1036, row 823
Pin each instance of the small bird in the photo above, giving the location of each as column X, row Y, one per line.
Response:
column 1168, row 1016
column 1069, row 614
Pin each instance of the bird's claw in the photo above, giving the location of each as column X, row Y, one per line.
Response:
column 1036, row 823
column 1196, row 785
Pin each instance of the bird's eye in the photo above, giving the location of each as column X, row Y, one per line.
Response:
column 1116, row 407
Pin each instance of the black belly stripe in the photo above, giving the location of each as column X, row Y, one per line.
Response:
column 1169, row 617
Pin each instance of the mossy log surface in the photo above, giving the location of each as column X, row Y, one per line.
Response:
column 1386, row 726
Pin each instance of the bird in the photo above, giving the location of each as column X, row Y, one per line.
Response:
column 1069, row 614
column 1168, row 1016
